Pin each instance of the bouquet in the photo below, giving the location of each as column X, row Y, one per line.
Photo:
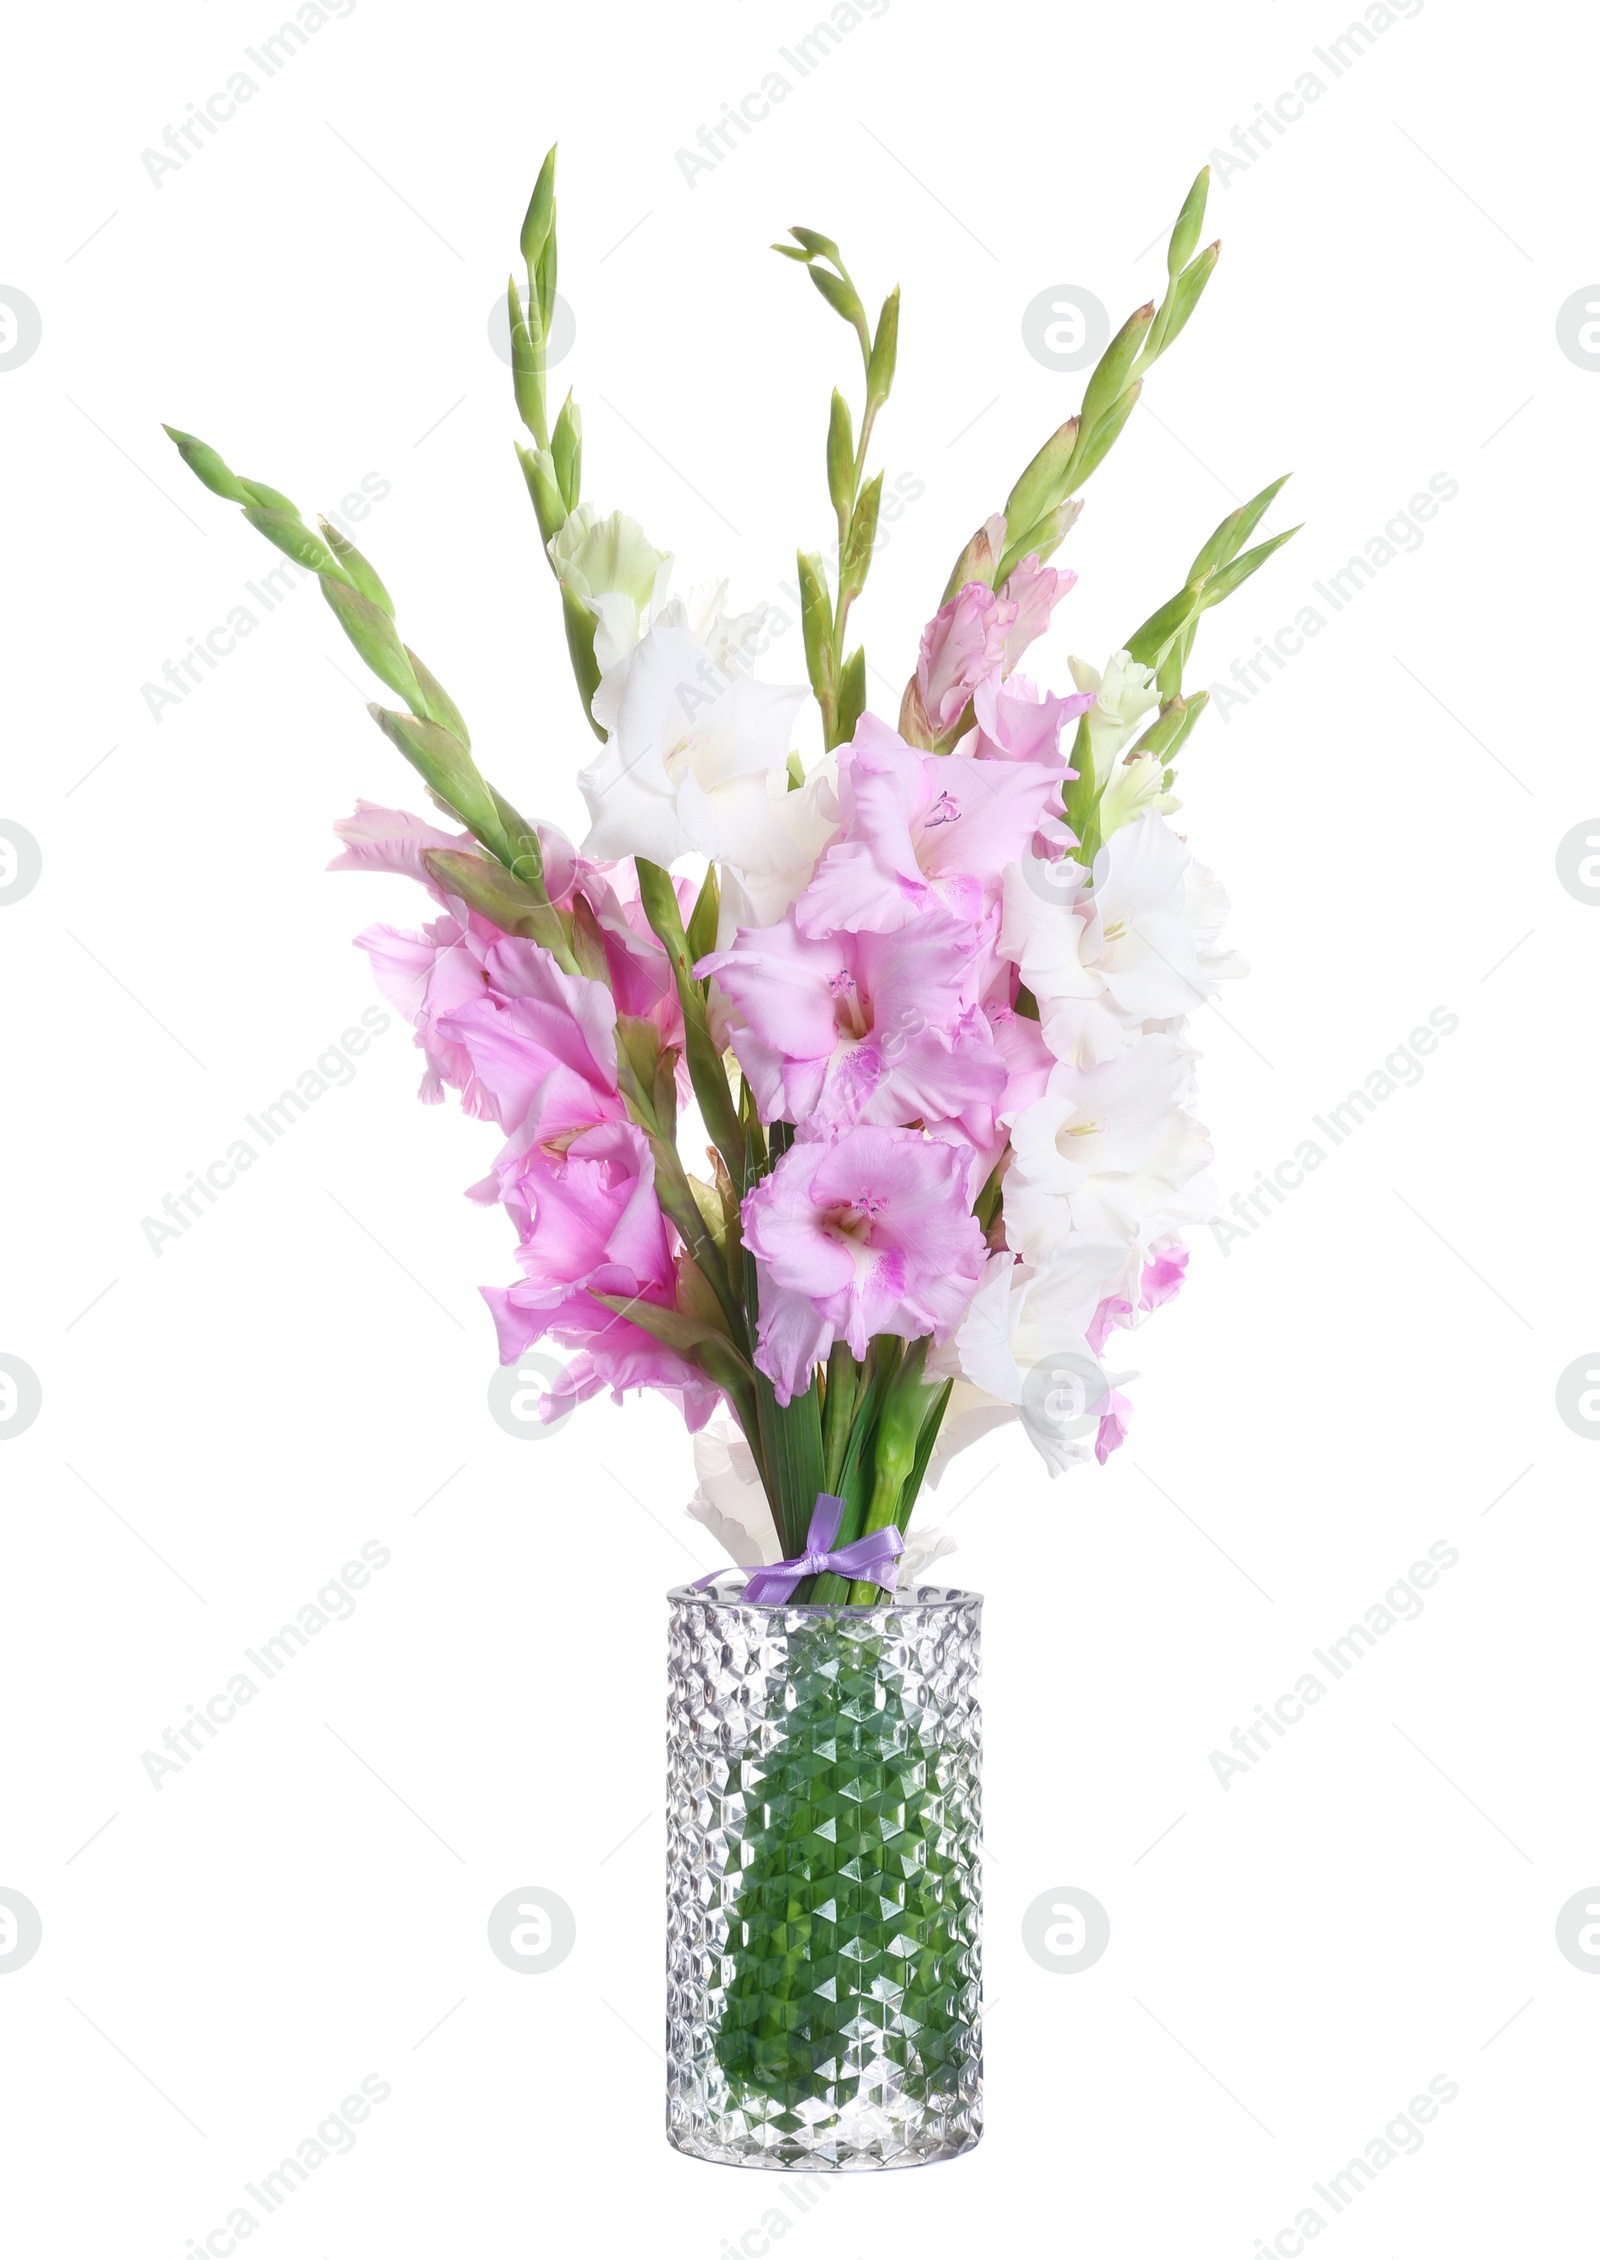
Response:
column 850, row 1103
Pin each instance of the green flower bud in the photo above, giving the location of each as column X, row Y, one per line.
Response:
column 885, row 346
column 566, row 450
column 1045, row 480
column 1186, row 229
column 1112, row 371
column 375, row 638
column 359, row 570
column 541, row 214
column 207, row 465
column 447, row 769
column 439, row 705
column 841, row 456
column 287, row 532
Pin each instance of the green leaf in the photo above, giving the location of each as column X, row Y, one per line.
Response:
column 926, row 1440
column 1229, row 577
column 791, row 1440
column 1150, row 640
column 839, row 1404
column 1230, row 536
column 854, row 1482
column 702, row 932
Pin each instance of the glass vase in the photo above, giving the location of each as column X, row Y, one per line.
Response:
column 823, row 1988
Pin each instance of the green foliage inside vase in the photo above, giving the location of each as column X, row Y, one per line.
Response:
column 852, row 1936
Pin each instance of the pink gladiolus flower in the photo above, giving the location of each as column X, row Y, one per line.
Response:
column 392, row 839
column 881, row 1028
column 1029, row 1059
column 591, row 1221
column 921, row 831
column 426, row 977
column 1163, row 1273
column 1035, row 590
column 964, row 641
column 641, row 977
column 1113, row 1312
column 866, row 1232
column 1113, row 1425
column 542, row 1043
column 979, row 635
column 456, row 963
column 1016, row 721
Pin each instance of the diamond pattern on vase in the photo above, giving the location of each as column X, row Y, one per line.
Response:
column 823, row 1993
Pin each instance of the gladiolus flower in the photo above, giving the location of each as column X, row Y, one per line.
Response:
column 864, row 1232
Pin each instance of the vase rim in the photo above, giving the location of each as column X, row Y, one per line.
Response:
column 914, row 1597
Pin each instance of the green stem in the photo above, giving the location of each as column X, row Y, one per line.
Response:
column 706, row 1071
column 899, row 1432
column 838, row 1411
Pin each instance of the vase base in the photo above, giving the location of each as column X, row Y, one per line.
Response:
column 818, row 2162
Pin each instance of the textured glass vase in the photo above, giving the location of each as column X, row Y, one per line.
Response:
column 823, row 1992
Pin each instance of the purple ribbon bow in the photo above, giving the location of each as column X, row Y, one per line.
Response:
column 876, row 1556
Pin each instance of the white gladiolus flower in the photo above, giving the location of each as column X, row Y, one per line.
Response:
column 617, row 571
column 1136, row 782
column 758, row 892
column 1023, row 1344
column 731, row 1503
column 1124, row 694
column 695, row 760
column 1109, row 1151
column 1139, row 946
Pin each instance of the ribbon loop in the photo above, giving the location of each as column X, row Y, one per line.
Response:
column 875, row 1557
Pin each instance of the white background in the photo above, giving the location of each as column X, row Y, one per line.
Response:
column 1372, row 1370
